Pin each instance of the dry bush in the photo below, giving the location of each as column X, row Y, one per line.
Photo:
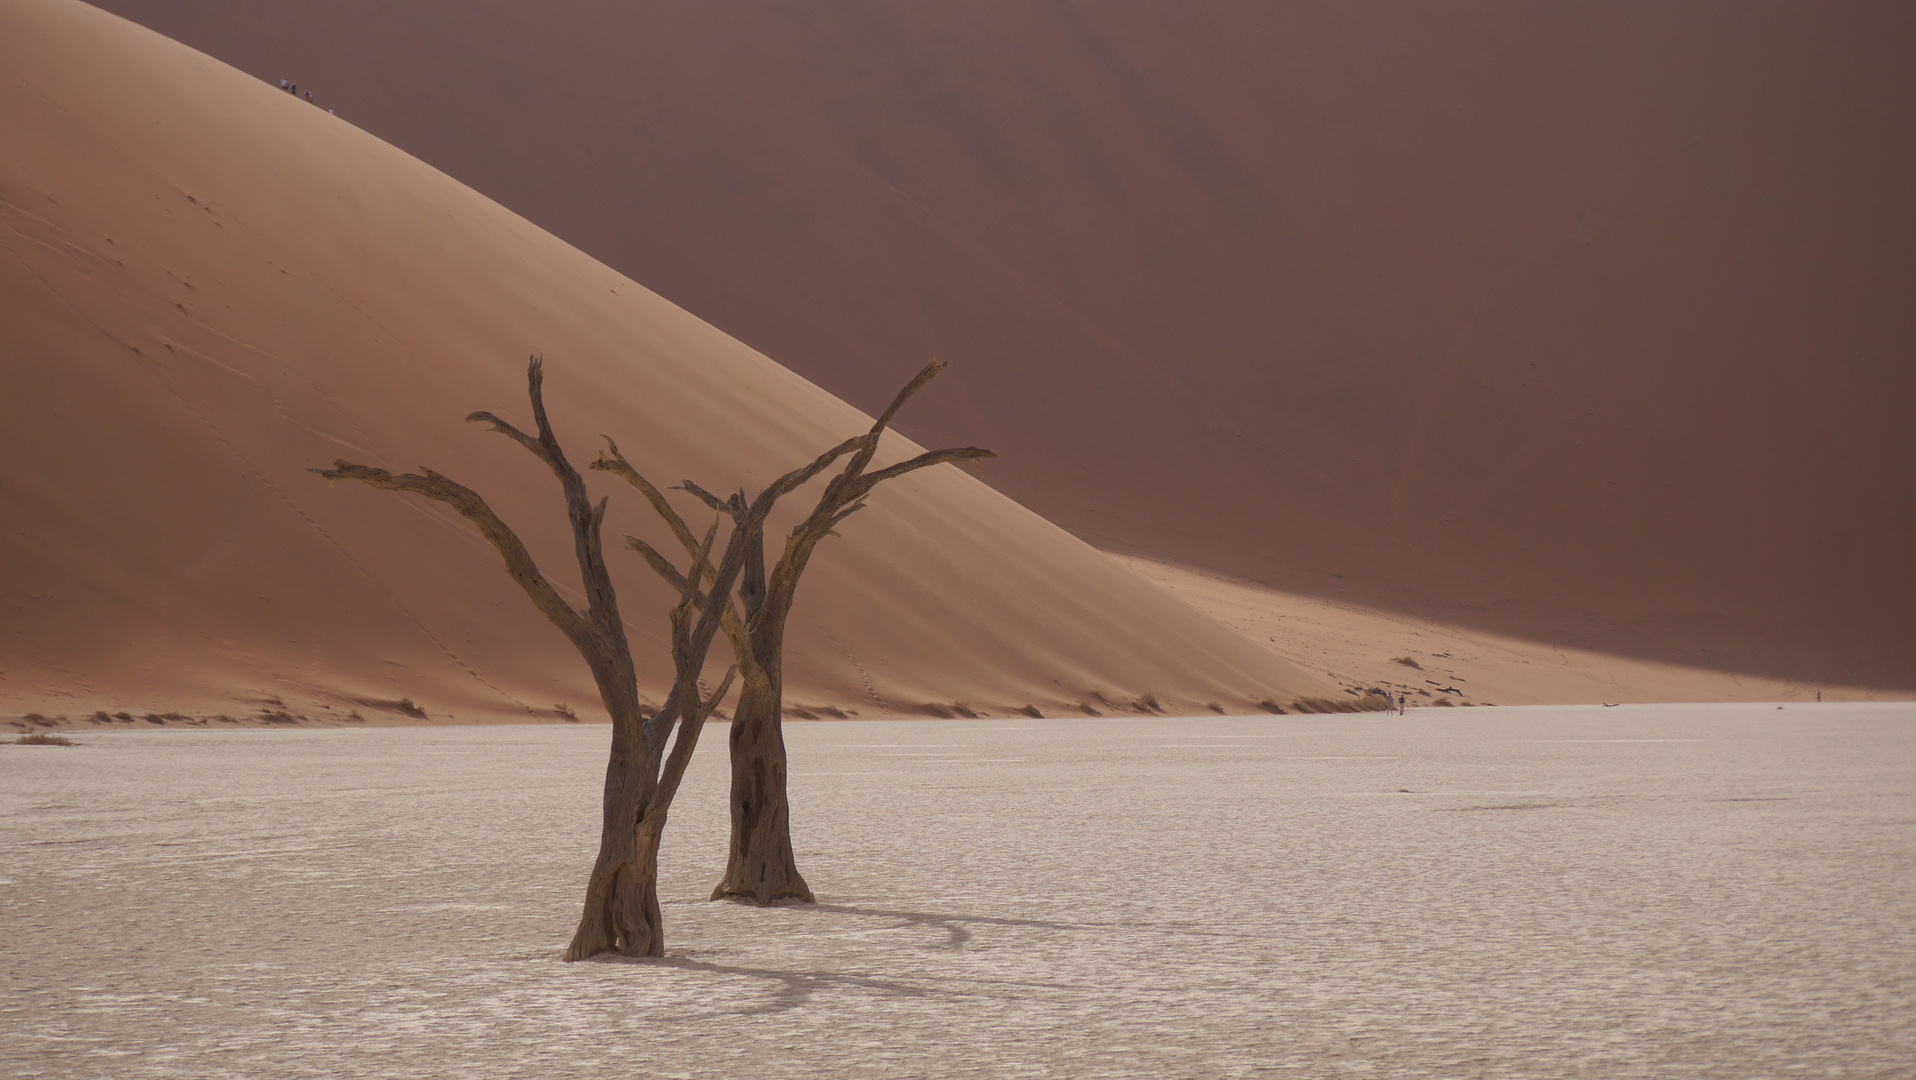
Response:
column 1407, row 662
column 1270, row 706
column 1032, row 711
column 41, row 738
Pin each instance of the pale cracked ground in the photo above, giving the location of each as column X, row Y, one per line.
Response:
column 1659, row 891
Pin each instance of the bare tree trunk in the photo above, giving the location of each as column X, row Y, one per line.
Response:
column 621, row 897
column 761, row 868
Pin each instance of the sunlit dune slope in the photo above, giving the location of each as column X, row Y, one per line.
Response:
column 208, row 286
column 1553, row 320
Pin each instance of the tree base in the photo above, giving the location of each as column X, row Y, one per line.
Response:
column 766, row 893
column 622, row 909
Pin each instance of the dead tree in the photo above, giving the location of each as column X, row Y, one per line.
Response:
column 621, row 905
column 761, row 867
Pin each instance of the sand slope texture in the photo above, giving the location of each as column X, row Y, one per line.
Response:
column 1540, row 319
column 208, row 286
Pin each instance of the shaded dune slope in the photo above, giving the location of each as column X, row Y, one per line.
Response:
column 207, row 287
column 1585, row 323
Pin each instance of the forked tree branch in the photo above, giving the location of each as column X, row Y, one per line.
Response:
column 917, row 383
column 619, row 467
column 731, row 622
column 797, row 478
column 733, row 506
column 844, row 495
column 865, row 483
column 602, row 601
column 691, row 725
column 519, row 563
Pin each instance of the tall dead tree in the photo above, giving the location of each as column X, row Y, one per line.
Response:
column 621, row 905
column 761, row 867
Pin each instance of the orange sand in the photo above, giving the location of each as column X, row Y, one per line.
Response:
column 207, row 286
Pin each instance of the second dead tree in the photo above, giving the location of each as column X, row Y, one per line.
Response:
column 761, row 867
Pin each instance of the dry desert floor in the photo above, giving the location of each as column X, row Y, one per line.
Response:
column 1718, row 890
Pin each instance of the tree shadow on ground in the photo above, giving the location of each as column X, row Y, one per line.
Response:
column 793, row 988
column 954, row 926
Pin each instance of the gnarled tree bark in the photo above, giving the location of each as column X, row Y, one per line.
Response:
column 621, row 905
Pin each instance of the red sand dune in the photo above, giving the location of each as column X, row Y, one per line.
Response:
column 1587, row 323
column 207, row 286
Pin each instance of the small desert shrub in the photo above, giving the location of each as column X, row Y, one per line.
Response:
column 566, row 711
column 800, row 712
column 937, row 710
column 1444, row 702
column 834, row 712
column 1408, row 662
column 1270, row 706
column 101, row 717
column 123, row 717
column 41, row 738
column 1032, row 711
column 1149, row 703
column 961, row 709
column 1214, row 707
column 406, row 706
column 1085, row 707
